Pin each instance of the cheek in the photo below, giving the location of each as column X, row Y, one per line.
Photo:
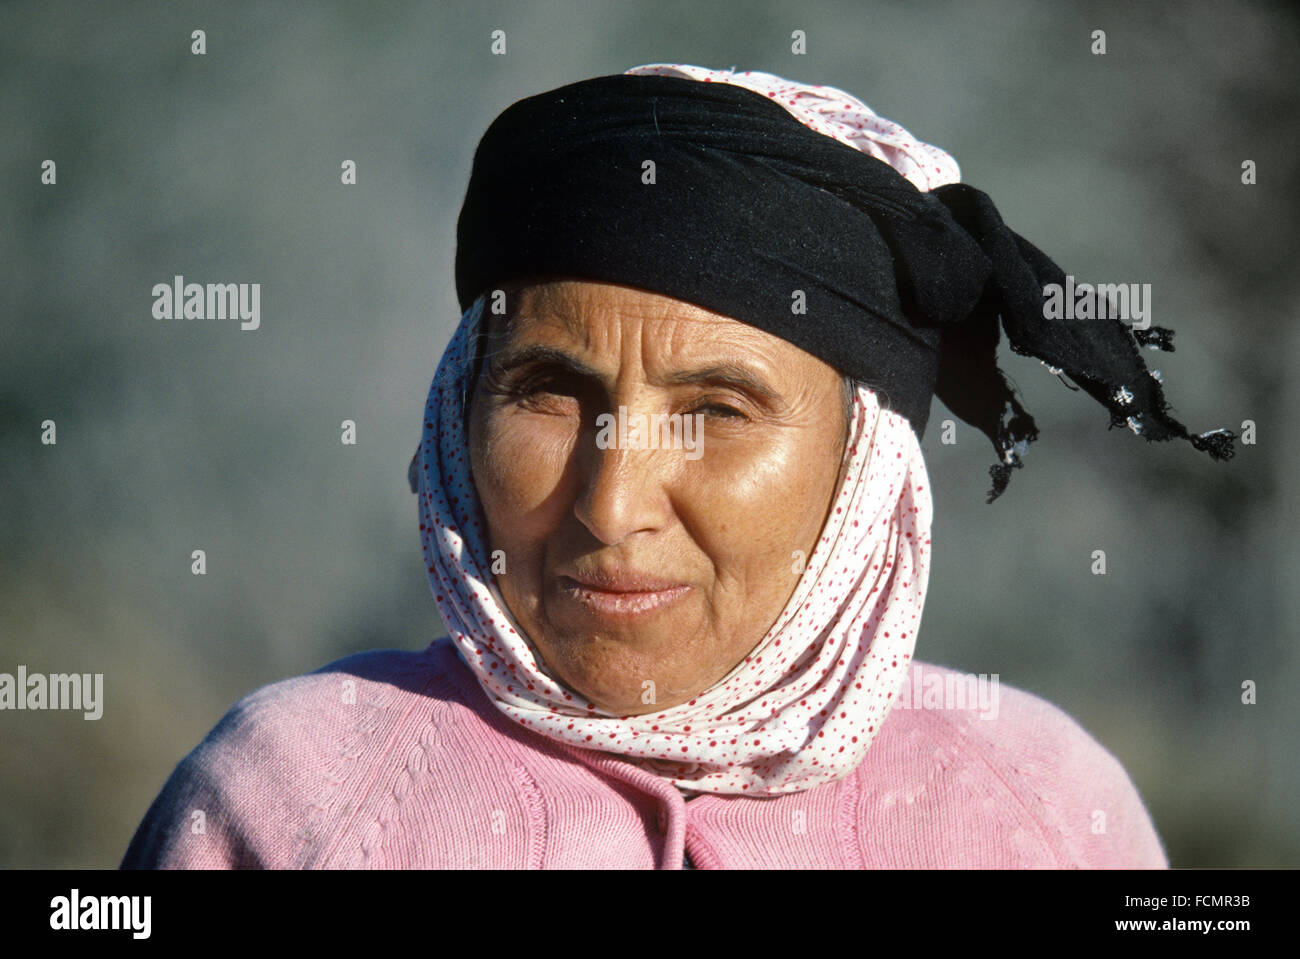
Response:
column 756, row 503
column 519, row 467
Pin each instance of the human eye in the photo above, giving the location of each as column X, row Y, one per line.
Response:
column 543, row 391
column 720, row 411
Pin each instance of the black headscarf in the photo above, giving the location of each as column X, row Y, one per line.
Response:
column 713, row 194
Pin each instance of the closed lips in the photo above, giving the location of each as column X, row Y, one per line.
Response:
column 621, row 583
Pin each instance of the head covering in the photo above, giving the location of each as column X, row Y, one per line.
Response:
column 760, row 188
column 725, row 190
column 804, row 705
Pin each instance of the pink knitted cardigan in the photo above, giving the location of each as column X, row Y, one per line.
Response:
column 397, row 759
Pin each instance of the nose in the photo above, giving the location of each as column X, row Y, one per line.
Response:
column 623, row 490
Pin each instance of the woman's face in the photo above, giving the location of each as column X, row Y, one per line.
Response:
column 689, row 554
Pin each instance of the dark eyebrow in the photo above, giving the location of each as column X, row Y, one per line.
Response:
column 509, row 360
column 727, row 374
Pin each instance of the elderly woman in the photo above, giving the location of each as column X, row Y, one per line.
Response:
column 676, row 519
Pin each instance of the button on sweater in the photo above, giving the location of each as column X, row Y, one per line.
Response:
column 397, row 759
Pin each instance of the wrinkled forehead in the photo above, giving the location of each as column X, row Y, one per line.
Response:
column 606, row 320
column 578, row 306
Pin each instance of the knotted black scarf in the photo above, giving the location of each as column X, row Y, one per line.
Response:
column 713, row 194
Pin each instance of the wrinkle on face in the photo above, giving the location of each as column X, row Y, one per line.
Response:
column 727, row 524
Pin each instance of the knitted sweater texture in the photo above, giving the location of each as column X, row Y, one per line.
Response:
column 396, row 760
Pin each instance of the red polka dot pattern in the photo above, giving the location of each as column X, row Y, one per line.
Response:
column 836, row 114
column 802, row 709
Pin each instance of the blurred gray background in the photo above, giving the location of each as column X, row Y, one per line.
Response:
column 175, row 435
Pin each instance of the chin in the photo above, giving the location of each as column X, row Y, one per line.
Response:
column 610, row 671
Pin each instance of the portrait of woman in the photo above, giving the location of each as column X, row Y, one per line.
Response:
column 676, row 521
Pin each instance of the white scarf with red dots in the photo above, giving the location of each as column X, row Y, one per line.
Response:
column 804, row 706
